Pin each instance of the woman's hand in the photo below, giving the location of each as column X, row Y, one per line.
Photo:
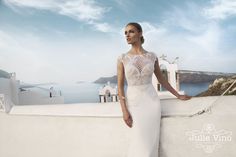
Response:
column 184, row 97
column 127, row 118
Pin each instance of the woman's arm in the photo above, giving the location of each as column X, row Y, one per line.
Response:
column 165, row 83
column 120, row 84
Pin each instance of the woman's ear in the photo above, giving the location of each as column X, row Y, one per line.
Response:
column 140, row 34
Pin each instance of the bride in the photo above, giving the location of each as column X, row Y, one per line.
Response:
column 141, row 104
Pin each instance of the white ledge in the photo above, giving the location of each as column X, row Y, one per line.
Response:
column 170, row 107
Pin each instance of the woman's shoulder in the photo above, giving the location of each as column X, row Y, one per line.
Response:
column 152, row 53
column 121, row 57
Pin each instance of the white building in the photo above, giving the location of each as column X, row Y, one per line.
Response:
column 22, row 94
column 170, row 73
column 108, row 93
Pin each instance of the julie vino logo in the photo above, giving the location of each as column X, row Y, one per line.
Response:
column 209, row 138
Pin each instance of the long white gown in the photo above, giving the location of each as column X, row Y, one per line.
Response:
column 143, row 104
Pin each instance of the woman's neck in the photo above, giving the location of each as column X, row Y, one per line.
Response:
column 137, row 49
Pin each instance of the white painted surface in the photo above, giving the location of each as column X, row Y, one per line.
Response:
column 99, row 131
column 9, row 88
column 32, row 97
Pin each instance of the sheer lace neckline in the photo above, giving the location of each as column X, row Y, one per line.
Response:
column 139, row 68
column 133, row 55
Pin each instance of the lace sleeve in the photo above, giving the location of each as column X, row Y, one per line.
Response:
column 154, row 56
column 120, row 58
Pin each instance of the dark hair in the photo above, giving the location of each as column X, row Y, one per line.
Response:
column 138, row 27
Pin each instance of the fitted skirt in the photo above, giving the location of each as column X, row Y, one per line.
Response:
column 144, row 106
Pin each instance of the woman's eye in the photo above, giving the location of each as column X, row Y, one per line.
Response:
column 131, row 31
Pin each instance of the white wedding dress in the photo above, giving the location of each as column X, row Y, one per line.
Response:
column 143, row 104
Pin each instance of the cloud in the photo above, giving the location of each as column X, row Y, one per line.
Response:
column 200, row 44
column 124, row 5
column 208, row 41
column 103, row 27
column 197, row 48
column 187, row 29
column 149, row 28
column 15, row 54
column 187, row 18
column 82, row 10
column 220, row 9
column 36, row 59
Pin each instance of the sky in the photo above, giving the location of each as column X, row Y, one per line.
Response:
column 66, row 41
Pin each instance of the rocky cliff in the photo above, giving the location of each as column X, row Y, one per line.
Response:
column 219, row 86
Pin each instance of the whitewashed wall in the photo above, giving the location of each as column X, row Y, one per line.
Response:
column 9, row 88
column 90, row 130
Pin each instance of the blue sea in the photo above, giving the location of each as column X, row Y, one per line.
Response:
column 87, row 92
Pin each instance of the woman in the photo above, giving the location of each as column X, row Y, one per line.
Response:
column 141, row 104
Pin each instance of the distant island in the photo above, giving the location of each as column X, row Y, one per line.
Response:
column 186, row 76
column 4, row 74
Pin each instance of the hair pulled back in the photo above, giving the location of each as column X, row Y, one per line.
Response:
column 138, row 27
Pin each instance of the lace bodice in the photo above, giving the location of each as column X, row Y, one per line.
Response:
column 138, row 68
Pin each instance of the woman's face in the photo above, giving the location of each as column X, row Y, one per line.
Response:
column 132, row 35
